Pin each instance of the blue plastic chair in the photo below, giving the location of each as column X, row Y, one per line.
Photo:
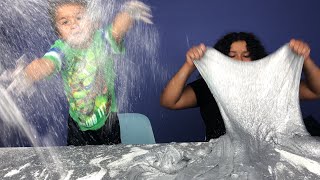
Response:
column 135, row 129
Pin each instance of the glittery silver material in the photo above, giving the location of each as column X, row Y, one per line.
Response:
column 259, row 102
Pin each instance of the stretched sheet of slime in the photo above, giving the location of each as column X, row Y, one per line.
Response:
column 259, row 102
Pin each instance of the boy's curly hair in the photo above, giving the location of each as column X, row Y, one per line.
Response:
column 254, row 46
column 54, row 4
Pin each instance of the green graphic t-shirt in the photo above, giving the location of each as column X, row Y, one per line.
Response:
column 88, row 76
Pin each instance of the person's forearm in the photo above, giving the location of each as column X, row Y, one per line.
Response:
column 312, row 73
column 173, row 91
column 121, row 25
column 39, row 69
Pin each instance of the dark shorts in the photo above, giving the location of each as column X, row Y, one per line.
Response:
column 107, row 134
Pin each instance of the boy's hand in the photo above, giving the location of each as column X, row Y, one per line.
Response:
column 9, row 74
column 21, row 84
column 18, row 82
column 138, row 11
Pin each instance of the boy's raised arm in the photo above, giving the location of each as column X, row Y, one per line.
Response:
column 130, row 11
column 23, row 79
column 39, row 69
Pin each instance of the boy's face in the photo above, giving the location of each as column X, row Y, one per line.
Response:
column 72, row 25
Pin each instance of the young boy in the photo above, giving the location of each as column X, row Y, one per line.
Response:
column 84, row 56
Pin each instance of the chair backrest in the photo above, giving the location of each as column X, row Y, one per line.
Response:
column 135, row 129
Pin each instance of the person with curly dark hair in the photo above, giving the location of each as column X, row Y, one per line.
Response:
column 240, row 46
column 253, row 44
